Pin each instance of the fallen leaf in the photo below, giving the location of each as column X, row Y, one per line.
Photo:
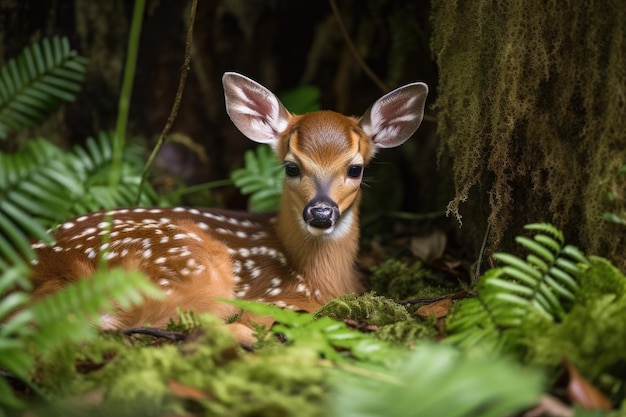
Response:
column 580, row 391
column 430, row 247
column 438, row 308
column 550, row 406
column 186, row 392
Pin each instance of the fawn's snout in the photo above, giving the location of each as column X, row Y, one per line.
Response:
column 321, row 215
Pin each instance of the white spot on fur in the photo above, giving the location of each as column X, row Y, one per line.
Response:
column 160, row 260
column 147, row 253
column 273, row 291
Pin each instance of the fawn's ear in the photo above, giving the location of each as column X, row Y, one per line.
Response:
column 394, row 117
column 254, row 109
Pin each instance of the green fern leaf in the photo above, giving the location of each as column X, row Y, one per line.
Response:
column 262, row 178
column 69, row 315
column 543, row 284
column 37, row 81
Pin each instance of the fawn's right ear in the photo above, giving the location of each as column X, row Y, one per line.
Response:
column 254, row 109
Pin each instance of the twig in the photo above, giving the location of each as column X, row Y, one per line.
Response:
column 179, row 94
column 482, row 252
column 383, row 87
column 156, row 332
column 429, row 300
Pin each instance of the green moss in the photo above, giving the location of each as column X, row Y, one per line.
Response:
column 370, row 308
column 400, row 281
column 136, row 381
column 407, row 332
column 531, row 110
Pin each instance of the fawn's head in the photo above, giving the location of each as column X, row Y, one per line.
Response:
column 323, row 152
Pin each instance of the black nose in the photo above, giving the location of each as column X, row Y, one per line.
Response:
column 321, row 213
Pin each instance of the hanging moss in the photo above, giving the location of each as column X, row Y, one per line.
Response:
column 532, row 109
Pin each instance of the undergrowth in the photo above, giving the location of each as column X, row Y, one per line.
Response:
column 497, row 352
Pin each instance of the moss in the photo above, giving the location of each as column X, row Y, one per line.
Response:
column 229, row 382
column 531, row 109
column 400, row 281
column 406, row 333
column 370, row 308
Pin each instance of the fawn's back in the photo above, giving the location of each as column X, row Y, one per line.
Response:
column 299, row 258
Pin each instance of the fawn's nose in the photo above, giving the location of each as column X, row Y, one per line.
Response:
column 321, row 213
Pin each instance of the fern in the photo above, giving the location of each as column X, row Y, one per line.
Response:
column 544, row 284
column 327, row 336
column 68, row 315
column 262, row 177
column 436, row 380
column 43, row 185
column 35, row 82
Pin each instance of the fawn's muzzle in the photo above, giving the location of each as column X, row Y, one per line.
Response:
column 321, row 213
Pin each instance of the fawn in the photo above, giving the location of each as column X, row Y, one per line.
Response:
column 300, row 258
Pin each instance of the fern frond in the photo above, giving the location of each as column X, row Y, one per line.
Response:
column 436, row 380
column 262, row 177
column 14, row 357
column 42, row 185
column 70, row 314
column 35, row 82
column 544, row 284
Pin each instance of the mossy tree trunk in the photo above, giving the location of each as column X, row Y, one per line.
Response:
column 532, row 111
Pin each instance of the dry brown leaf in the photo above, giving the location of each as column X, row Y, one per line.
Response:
column 430, row 247
column 580, row 391
column 185, row 391
column 438, row 308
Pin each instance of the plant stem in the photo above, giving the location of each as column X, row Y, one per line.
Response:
column 179, row 95
column 126, row 92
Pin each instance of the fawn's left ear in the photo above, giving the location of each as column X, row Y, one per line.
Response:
column 394, row 117
column 254, row 109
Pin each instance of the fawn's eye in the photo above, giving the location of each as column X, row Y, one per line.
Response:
column 355, row 171
column 292, row 170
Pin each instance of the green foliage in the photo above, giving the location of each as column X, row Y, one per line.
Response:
column 301, row 100
column 206, row 375
column 262, row 178
column 71, row 314
column 436, row 380
column 13, row 355
column 591, row 335
column 544, row 285
column 322, row 334
column 31, row 330
column 42, row 185
column 35, row 82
